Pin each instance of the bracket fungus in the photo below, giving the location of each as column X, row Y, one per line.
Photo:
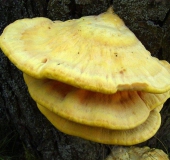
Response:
column 112, row 111
column 133, row 136
column 80, row 76
column 92, row 53
column 136, row 153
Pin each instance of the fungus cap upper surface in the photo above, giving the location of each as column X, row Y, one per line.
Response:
column 136, row 153
column 122, row 110
column 97, row 53
column 97, row 134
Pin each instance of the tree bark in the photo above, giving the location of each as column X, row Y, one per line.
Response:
column 149, row 20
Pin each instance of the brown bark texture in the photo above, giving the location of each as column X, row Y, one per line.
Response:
column 149, row 20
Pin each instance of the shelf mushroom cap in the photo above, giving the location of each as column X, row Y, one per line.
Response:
column 97, row 53
column 101, row 135
column 122, row 110
column 136, row 153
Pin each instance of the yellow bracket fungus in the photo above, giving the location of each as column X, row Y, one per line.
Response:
column 107, row 136
column 97, row 53
column 122, row 110
column 91, row 77
column 136, row 153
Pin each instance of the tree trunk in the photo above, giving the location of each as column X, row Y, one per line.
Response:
column 149, row 20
